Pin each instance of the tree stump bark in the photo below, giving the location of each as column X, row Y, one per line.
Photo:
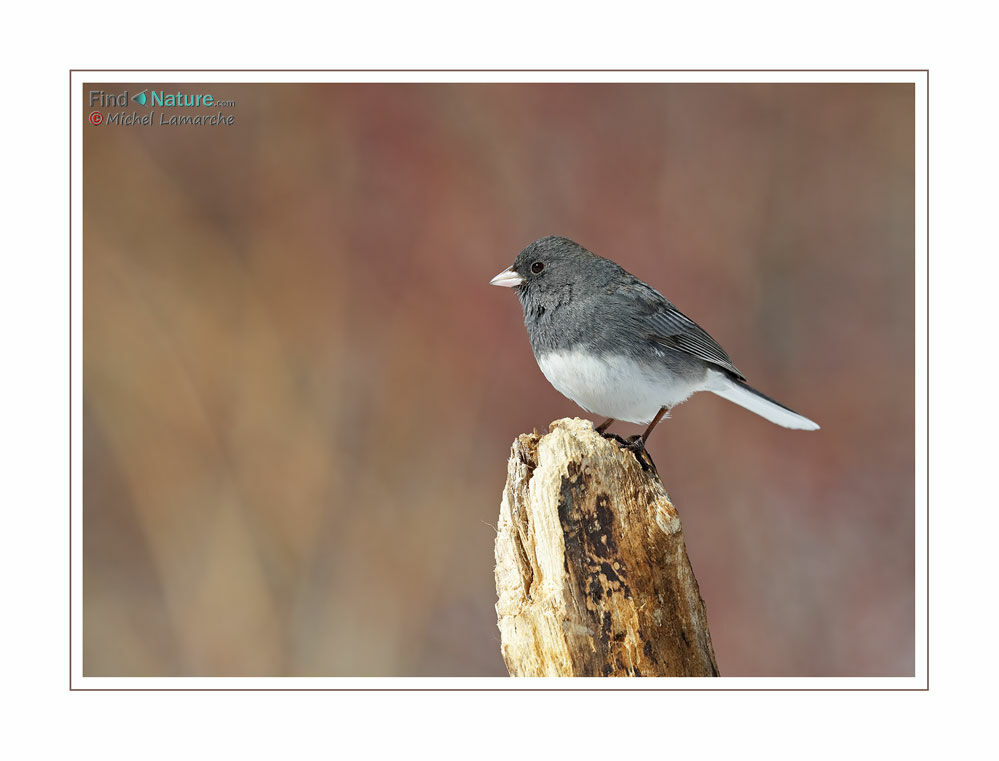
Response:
column 592, row 572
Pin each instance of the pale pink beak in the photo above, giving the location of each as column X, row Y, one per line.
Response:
column 507, row 278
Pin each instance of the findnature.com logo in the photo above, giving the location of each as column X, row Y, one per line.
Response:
column 186, row 109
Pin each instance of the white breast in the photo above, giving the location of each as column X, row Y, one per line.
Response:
column 616, row 386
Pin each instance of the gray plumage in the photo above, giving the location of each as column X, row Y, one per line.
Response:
column 616, row 346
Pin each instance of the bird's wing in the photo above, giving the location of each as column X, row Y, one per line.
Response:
column 671, row 327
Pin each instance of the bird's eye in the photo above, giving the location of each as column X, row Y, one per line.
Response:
column 537, row 267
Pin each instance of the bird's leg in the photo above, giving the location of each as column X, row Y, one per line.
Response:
column 636, row 444
column 663, row 412
column 604, row 426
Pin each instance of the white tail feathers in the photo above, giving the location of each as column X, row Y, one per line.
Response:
column 748, row 397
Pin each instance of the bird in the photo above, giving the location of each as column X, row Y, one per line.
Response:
column 616, row 346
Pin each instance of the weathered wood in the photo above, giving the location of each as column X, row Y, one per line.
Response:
column 591, row 569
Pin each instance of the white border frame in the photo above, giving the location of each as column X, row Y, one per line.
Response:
column 920, row 681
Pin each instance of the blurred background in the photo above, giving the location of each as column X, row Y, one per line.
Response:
column 300, row 390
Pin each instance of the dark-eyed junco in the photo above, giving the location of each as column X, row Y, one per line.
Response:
column 617, row 347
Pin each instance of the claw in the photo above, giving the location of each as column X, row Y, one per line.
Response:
column 614, row 437
column 635, row 445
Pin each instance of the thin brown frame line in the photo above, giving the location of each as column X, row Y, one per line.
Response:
column 927, row 85
column 612, row 71
column 501, row 689
column 925, row 688
column 71, row 379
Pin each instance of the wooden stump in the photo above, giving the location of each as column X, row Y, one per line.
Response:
column 591, row 569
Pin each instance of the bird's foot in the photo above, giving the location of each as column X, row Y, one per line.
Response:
column 645, row 459
column 635, row 445
column 614, row 437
